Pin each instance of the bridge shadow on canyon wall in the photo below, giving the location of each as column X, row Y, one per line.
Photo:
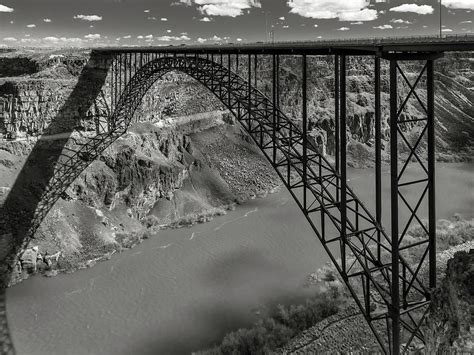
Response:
column 36, row 189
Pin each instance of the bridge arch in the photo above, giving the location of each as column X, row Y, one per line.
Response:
column 309, row 177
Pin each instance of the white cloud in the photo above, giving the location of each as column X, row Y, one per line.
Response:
column 315, row 25
column 181, row 2
column 47, row 20
column 447, row 30
column 146, row 11
column 152, row 18
column 217, row 39
column 362, row 15
column 88, row 17
column 168, row 31
column 286, row 26
column 51, row 39
column 418, row 9
column 343, row 29
column 205, row 19
column 31, row 25
column 164, row 19
column 344, row 10
column 149, row 37
column 357, row 23
column 239, row 39
column 9, row 39
column 173, row 38
column 459, row 4
column 383, row 27
column 4, row 8
column 127, row 37
column 92, row 36
column 232, row 8
column 201, row 40
column 400, row 21
column 139, row 37
column 282, row 18
column 466, row 21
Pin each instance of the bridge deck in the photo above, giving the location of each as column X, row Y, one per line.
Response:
column 350, row 47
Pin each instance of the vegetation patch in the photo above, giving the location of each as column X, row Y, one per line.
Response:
column 270, row 333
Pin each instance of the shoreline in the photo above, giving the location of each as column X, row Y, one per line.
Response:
column 149, row 232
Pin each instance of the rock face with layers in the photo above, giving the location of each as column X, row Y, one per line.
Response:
column 450, row 327
column 32, row 86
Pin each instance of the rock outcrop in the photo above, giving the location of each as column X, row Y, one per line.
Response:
column 450, row 325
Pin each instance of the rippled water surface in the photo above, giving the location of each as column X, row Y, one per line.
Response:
column 183, row 289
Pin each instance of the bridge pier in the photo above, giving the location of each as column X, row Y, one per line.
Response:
column 412, row 300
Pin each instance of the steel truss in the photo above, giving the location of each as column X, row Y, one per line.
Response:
column 384, row 282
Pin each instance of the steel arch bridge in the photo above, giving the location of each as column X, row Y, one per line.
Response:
column 373, row 262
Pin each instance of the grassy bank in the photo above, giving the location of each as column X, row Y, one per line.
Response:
column 274, row 331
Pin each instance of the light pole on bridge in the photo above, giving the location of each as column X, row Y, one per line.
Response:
column 440, row 19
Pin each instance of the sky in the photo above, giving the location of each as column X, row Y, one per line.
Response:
column 92, row 23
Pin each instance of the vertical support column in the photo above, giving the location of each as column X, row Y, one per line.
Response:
column 305, row 133
column 249, row 94
column 274, row 91
column 277, row 102
column 130, row 72
column 125, row 57
column 229, row 74
column 212, row 71
column 237, row 64
column 378, row 155
column 431, row 172
column 395, row 306
column 237, row 72
column 120, row 74
column 255, row 59
column 337, row 117
column 135, row 64
column 255, row 68
column 343, row 162
column 115, row 81
column 112, row 98
column 220, row 86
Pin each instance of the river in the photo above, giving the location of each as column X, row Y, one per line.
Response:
column 182, row 290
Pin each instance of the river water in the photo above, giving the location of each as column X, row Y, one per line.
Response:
column 182, row 290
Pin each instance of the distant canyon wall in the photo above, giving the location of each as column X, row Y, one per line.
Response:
column 33, row 88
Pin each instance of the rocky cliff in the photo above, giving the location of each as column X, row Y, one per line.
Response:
column 450, row 326
column 33, row 85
